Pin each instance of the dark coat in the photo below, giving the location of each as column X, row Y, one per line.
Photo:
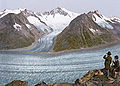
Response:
column 108, row 61
column 116, row 63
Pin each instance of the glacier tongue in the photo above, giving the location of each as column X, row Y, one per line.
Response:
column 57, row 22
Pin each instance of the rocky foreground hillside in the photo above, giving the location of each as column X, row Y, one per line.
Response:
column 87, row 30
column 92, row 78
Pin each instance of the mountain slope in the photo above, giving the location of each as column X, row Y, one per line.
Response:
column 16, row 31
column 57, row 19
column 13, row 33
column 87, row 30
column 34, row 24
column 31, row 17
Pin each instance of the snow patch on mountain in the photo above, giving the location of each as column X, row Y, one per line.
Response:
column 37, row 23
column 93, row 30
column 17, row 27
column 101, row 21
column 102, row 16
column 28, row 26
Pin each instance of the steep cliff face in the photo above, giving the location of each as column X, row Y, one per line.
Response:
column 87, row 30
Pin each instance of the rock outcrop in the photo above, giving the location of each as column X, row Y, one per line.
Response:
column 41, row 84
column 97, row 78
column 17, row 83
column 91, row 78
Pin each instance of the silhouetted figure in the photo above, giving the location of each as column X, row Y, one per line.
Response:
column 116, row 62
column 108, row 60
column 115, row 66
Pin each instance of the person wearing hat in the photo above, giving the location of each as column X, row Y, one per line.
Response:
column 116, row 67
column 108, row 60
column 116, row 62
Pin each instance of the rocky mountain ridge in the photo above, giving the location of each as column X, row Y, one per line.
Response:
column 57, row 18
column 37, row 24
column 18, row 31
column 87, row 30
column 56, row 21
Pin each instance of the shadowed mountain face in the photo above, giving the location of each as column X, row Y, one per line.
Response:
column 87, row 30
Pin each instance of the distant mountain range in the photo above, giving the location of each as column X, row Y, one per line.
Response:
column 20, row 28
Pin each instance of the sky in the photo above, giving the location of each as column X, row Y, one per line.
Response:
column 106, row 7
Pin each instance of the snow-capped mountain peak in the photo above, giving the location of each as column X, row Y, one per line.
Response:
column 6, row 11
column 101, row 20
column 58, row 18
column 14, row 11
column 96, row 12
column 60, row 11
column 115, row 19
column 31, row 17
column 57, row 10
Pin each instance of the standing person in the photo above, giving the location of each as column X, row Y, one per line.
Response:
column 108, row 60
column 116, row 62
column 116, row 66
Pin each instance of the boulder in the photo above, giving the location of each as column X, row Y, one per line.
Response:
column 41, row 84
column 63, row 84
column 17, row 83
column 97, row 78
